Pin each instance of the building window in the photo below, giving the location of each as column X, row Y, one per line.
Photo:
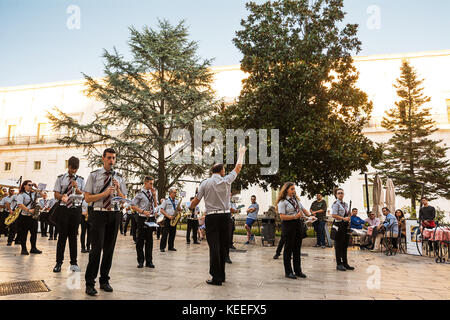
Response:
column 37, row 165
column 448, row 110
column 11, row 133
column 7, row 166
column 42, row 131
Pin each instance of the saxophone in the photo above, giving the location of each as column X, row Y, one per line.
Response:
column 176, row 216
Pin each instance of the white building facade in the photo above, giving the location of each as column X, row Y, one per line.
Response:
column 28, row 145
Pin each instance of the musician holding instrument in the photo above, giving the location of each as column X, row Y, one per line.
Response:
column 3, row 212
column 45, row 205
column 158, row 209
column 340, row 213
column 144, row 203
column 27, row 222
column 10, row 205
column 69, row 213
column 170, row 209
column 192, row 223
column 101, row 186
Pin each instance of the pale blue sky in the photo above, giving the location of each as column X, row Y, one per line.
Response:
column 37, row 46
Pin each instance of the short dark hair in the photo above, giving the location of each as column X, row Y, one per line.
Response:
column 253, row 196
column 191, row 198
column 336, row 191
column 108, row 150
column 73, row 162
column 353, row 209
column 217, row 168
column 387, row 209
column 148, row 178
column 424, row 198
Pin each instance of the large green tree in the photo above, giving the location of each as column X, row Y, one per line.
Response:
column 164, row 87
column 411, row 155
column 302, row 81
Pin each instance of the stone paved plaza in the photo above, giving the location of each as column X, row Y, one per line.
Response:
column 253, row 274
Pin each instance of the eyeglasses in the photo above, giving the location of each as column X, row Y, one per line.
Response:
column 340, row 193
column 29, row 185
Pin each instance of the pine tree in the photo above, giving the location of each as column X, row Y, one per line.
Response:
column 411, row 155
column 165, row 87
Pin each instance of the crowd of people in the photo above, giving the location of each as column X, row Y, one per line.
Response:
column 100, row 206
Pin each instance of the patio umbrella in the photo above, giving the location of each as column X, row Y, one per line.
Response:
column 378, row 200
column 390, row 195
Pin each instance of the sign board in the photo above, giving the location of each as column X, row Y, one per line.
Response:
column 183, row 194
column 41, row 186
column 412, row 247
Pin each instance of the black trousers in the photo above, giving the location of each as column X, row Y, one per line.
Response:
column 104, row 228
column 158, row 232
column 27, row 223
column 341, row 244
column 68, row 222
column 53, row 231
column 167, row 232
column 144, row 239
column 232, row 228
column 43, row 218
column 217, row 235
column 85, row 237
column 3, row 228
column 13, row 232
column 131, row 218
column 292, row 248
column 281, row 244
column 192, row 225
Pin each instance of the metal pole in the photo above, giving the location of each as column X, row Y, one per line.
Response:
column 367, row 193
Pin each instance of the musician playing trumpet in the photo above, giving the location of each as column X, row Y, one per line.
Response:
column 26, row 201
column 145, row 203
column 169, row 208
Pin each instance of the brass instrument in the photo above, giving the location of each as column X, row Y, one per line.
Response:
column 12, row 217
column 177, row 215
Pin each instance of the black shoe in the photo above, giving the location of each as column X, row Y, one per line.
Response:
column 90, row 290
column 55, row 238
column 233, row 247
column 196, row 242
column 291, row 276
column 172, row 249
column 214, row 282
column 24, row 252
column 276, row 256
column 340, row 267
column 301, row 275
column 84, row 250
column 35, row 250
column 9, row 244
column 57, row 268
column 317, row 245
column 228, row 260
column 140, row 265
column 162, row 250
column 124, row 234
column 346, row 266
column 106, row 287
column 188, row 242
column 50, row 238
column 150, row 265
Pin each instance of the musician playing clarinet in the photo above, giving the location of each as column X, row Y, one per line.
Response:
column 145, row 203
column 26, row 201
column 101, row 186
column 69, row 215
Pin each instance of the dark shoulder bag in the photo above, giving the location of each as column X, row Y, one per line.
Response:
column 53, row 212
column 303, row 226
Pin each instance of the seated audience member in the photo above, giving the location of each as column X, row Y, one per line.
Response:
column 401, row 221
column 356, row 222
column 368, row 240
column 390, row 228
